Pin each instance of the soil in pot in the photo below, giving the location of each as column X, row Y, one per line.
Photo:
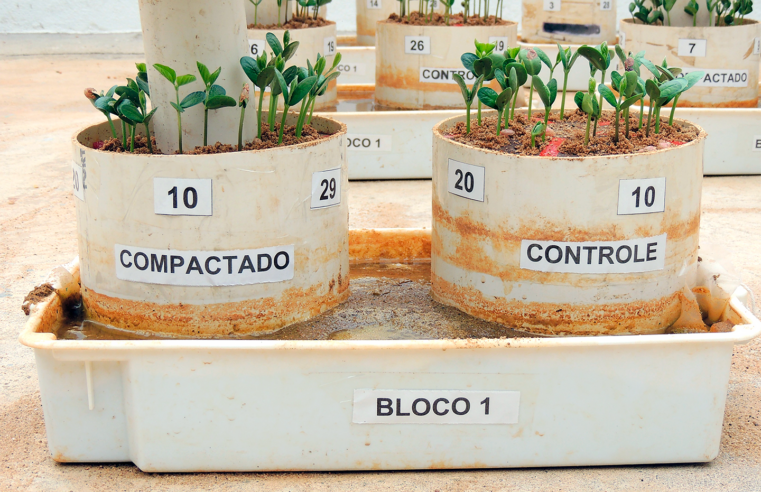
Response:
column 115, row 145
column 295, row 23
column 417, row 19
column 566, row 138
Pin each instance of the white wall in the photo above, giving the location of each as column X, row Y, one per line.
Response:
column 121, row 16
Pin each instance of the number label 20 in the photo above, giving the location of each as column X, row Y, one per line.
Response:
column 417, row 45
column 641, row 196
column 326, row 188
column 466, row 180
column 181, row 196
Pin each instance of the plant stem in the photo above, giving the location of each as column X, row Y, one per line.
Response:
column 649, row 115
column 507, row 113
column 499, row 121
column 515, row 100
column 479, row 112
column 586, row 135
column 148, row 137
column 546, row 119
column 273, row 112
column 641, row 111
column 179, row 116
column 530, row 96
column 311, row 111
column 626, row 118
column 657, row 120
column 615, row 139
column 132, row 143
column 282, row 125
column 300, row 121
column 673, row 108
column 240, row 128
column 111, row 124
column 259, row 115
column 467, row 119
column 532, row 140
column 205, row 124
column 602, row 81
column 562, row 100
column 124, row 135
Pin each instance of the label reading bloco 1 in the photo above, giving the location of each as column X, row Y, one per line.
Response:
column 719, row 77
column 256, row 47
column 417, row 45
column 445, row 75
column 326, row 188
column 181, row 196
column 552, row 5
column 204, row 268
column 641, row 196
column 435, row 407
column 352, row 68
column 692, row 47
column 628, row 256
column 466, row 180
column 329, row 46
column 368, row 143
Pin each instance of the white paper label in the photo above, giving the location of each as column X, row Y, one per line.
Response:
column 78, row 181
column 435, row 407
column 552, row 5
column 444, row 75
column 628, row 256
column 499, row 42
column 622, row 39
column 368, row 143
column 417, row 45
column 329, row 46
column 326, row 188
column 757, row 46
column 374, row 4
column 757, row 143
column 641, row 196
column 606, row 4
column 352, row 68
column 719, row 77
column 434, row 4
column 180, row 196
column 466, row 180
column 256, row 47
column 692, row 47
column 204, row 268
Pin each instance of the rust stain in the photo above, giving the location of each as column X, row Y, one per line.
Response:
column 638, row 317
column 367, row 245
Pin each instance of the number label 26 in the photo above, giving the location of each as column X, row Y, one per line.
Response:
column 180, row 196
column 326, row 188
column 466, row 180
column 641, row 196
column 417, row 45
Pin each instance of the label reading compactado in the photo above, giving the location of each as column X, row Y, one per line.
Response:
column 204, row 268
column 644, row 254
column 435, row 407
column 719, row 77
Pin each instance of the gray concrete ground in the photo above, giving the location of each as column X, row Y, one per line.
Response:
column 41, row 105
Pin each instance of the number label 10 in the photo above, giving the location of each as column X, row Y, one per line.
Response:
column 179, row 196
column 417, row 45
column 466, row 180
column 326, row 188
column 641, row 196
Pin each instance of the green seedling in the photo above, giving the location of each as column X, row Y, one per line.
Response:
column 215, row 96
column 538, row 129
column 188, row 101
column 281, row 54
column 103, row 103
column 316, row 6
column 692, row 9
column 667, row 6
column 483, row 62
column 142, row 78
column 625, row 85
column 261, row 75
column 242, row 103
column 599, row 59
column 279, row 5
column 567, row 58
column 291, row 95
column 521, row 76
column 508, row 82
column 256, row 10
column 587, row 102
column 323, row 81
column 547, row 93
column 136, row 113
column 468, row 95
column 533, row 65
column 448, row 4
column 500, row 101
column 546, row 60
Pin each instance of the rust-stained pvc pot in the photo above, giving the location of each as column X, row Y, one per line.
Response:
column 414, row 64
column 369, row 12
column 206, row 245
column 556, row 246
column 729, row 55
column 312, row 40
column 576, row 22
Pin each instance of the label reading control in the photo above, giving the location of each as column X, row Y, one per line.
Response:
column 466, row 180
column 182, row 196
column 417, row 45
column 641, row 196
column 326, row 188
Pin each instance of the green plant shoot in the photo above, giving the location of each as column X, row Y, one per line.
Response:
column 187, row 102
column 500, row 101
column 216, row 96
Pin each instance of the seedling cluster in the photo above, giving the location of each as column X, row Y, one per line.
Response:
column 721, row 12
column 513, row 68
column 266, row 73
column 426, row 9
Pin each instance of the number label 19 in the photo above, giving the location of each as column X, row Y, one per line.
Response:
column 417, row 45
column 466, row 180
column 329, row 46
column 499, row 42
column 641, row 196
column 606, row 4
column 692, row 47
column 374, row 4
column 78, row 181
column 368, row 143
column 552, row 5
column 256, row 47
column 326, row 188
column 180, row 196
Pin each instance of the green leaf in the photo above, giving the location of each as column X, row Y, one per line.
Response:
column 143, row 85
column 543, row 56
column 111, row 91
column 128, row 93
column 214, row 76
column 595, row 57
column 538, row 129
column 533, row 67
column 274, row 43
column 520, row 71
column 141, row 67
column 204, row 71
column 185, row 80
column 608, row 95
column 336, row 60
column 496, row 62
column 131, row 112
column 488, row 97
column 217, row 102
column 652, row 89
column 463, row 86
column 504, row 98
column 651, row 67
column 692, row 78
column 620, row 53
column 671, row 88
column 279, row 85
column 615, row 80
column 177, row 108
column 552, row 85
column 149, row 116
column 167, row 72
column 630, row 101
column 587, row 103
column 290, row 50
column 192, row 99
column 301, row 90
column 573, row 59
column 216, row 90
column 323, row 84
column 541, row 90
column 513, row 80
column 578, row 98
column 250, row 68
column 290, row 74
column 563, row 56
column 501, row 79
column 482, row 66
column 265, row 78
column 665, row 73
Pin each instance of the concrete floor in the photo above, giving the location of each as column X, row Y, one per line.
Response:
column 41, row 105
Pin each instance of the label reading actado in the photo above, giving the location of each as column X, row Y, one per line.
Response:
column 326, row 188
column 417, row 45
column 466, row 180
column 435, row 407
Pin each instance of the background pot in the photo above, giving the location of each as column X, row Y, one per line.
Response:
column 729, row 53
column 267, row 13
column 577, row 22
column 259, row 199
column 478, row 246
column 369, row 12
column 312, row 41
column 405, row 80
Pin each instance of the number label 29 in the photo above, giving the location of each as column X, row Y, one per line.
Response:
column 181, row 196
column 466, row 180
column 641, row 196
column 326, row 188
column 417, row 45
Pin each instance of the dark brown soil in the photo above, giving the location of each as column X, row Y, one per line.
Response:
column 566, row 138
column 115, row 145
column 417, row 19
column 40, row 293
column 295, row 23
column 268, row 140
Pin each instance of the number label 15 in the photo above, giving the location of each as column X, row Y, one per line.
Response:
column 466, row 180
column 326, row 188
column 180, row 196
column 417, row 45
column 641, row 196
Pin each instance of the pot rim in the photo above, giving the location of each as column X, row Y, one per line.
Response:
column 339, row 134
column 631, row 22
column 437, row 134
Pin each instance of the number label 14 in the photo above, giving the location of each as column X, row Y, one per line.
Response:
column 181, row 196
column 78, row 181
column 417, row 45
column 368, row 143
column 466, row 180
column 374, row 4
column 641, row 196
column 552, row 5
column 693, row 47
column 326, row 188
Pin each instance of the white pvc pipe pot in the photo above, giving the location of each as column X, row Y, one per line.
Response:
column 369, row 12
column 576, row 22
column 728, row 54
column 178, row 34
column 312, row 40
column 405, row 80
column 253, row 200
column 483, row 262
